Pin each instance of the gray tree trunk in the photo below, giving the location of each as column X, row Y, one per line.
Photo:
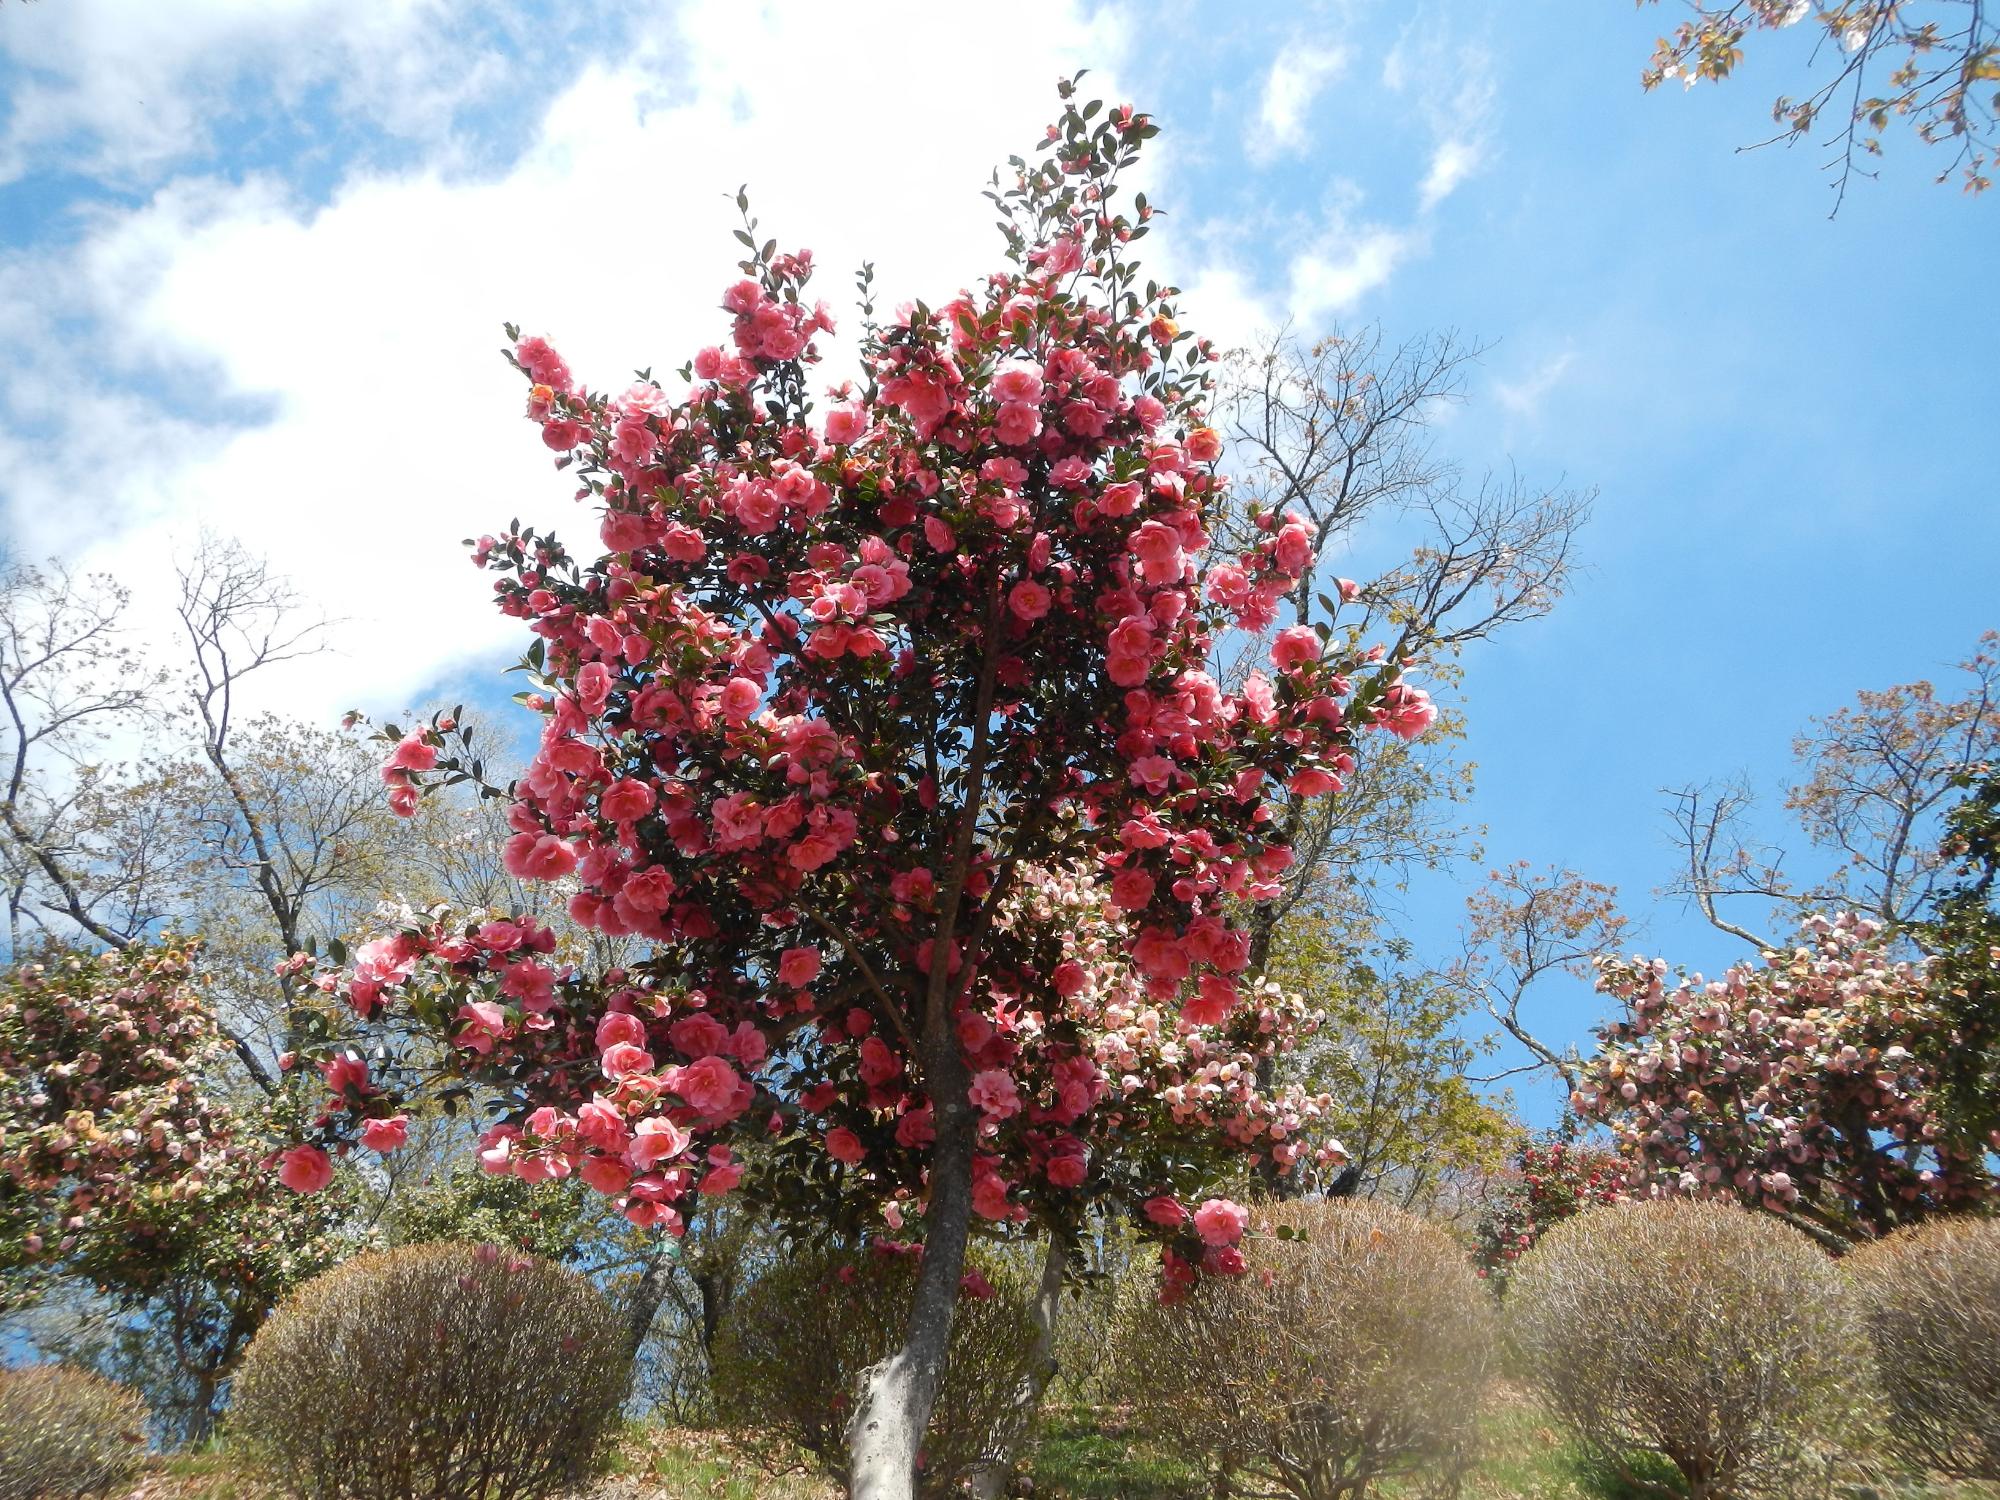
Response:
column 893, row 1404
column 1011, row 1431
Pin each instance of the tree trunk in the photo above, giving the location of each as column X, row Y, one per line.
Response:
column 893, row 1403
column 645, row 1304
column 990, row 1481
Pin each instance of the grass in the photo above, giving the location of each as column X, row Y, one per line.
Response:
column 1084, row 1453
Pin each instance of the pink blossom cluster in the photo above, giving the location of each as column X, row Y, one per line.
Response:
column 1803, row 1084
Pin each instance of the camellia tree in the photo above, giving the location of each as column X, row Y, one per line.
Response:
column 1807, row 1085
column 122, row 1167
column 891, row 733
column 1550, row 1180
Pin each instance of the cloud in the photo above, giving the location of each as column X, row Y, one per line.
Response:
column 1452, row 162
column 1523, row 396
column 1451, row 79
column 120, row 88
column 321, row 378
column 1297, row 75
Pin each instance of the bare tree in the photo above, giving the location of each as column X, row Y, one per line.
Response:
column 1340, row 432
column 1522, row 927
column 1877, row 777
column 71, row 682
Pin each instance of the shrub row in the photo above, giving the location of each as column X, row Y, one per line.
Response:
column 1697, row 1338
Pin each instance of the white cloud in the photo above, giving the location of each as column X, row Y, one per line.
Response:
column 121, row 87
column 1451, row 79
column 366, row 330
column 1297, row 75
column 1452, row 162
column 1348, row 263
column 1524, row 396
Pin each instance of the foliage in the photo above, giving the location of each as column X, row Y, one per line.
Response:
column 1805, row 1084
column 119, row 1161
column 1698, row 1332
column 1356, row 1350
column 1392, row 1053
column 1962, row 932
column 1942, row 59
column 457, row 1372
column 65, row 1434
column 1552, row 1179
column 793, row 1349
column 1930, row 1300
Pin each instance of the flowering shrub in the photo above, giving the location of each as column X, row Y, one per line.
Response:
column 792, row 1349
column 459, row 1372
column 1715, row 1338
column 1806, row 1085
column 1551, row 1180
column 123, row 1163
column 1356, row 1349
column 65, row 1434
column 839, row 707
column 1930, row 1300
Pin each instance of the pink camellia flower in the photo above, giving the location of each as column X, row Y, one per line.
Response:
column 844, row 1145
column 709, row 1085
column 413, row 753
column 720, row 1179
column 305, row 1169
column 1069, row 1164
column 1294, row 647
column 798, row 966
column 618, row 1026
column 656, row 1140
column 1405, row 712
column 626, row 800
column 1017, row 380
column 387, row 1135
column 739, row 699
column 537, row 857
column 994, row 1094
column 623, row 1059
column 605, row 1174
column 1221, row 1222
column 1166, row 1211
column 845, row 423
column 1132, row 889
column 1029, row 599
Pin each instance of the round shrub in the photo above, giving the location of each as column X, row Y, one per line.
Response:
column 792, row 1349
column 1930, row 1300
column 1699, row 1333
column 433, row 1372
column 1356, row 1347
column 65, row 1433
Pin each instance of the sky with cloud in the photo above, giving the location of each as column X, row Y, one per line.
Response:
column 255, row 255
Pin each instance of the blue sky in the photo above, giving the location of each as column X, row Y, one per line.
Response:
column 254, row 257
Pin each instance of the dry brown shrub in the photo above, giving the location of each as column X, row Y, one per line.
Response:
column 1930, row 1300
column 433, row 1372
column 1707, row 1335
column 65, row 1433
column 1355, row 1353
column 793, row 1347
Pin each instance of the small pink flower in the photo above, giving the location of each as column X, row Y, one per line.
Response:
column 305, row 1169
column 387, row 1135
column 1220, row 1222
column 798, row 966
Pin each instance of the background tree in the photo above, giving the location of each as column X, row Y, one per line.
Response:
column 1934, row 64
column 133, row 1194
column 1396, row 1055
column 1807, row 1084
column 1876, row 781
